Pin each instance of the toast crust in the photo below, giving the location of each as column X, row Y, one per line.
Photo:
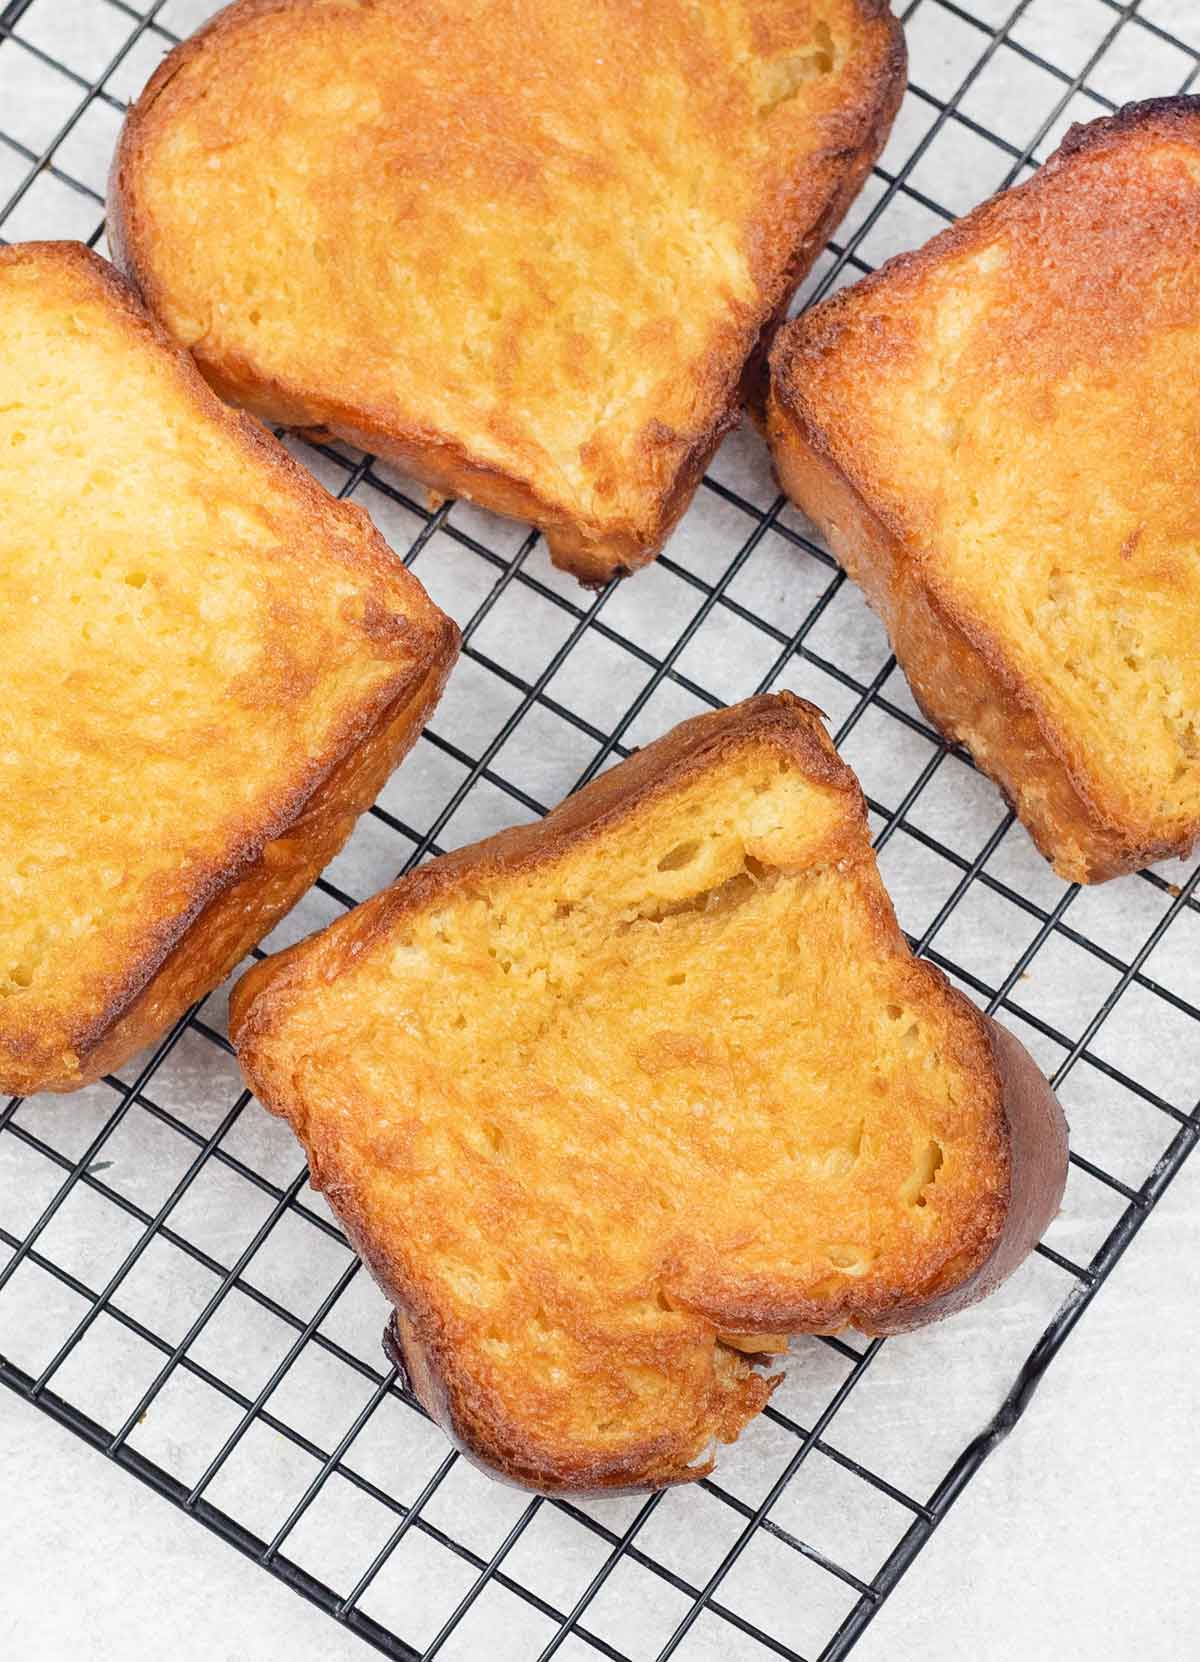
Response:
column 963, row 669
column 721, row 1312
column 247, row 899
column 228, row 894
column 606, row 489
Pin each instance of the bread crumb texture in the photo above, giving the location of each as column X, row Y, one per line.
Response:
column 191, row 631
column 614, row 1108
column 532, row 238
column 1020, row 401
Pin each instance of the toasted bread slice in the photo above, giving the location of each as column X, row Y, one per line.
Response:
column 612, row 1103
column 207, row 669
column 524, row 251
column 1000, row 438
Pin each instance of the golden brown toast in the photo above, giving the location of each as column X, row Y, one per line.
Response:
column 524, row 249
column 207, row 669
column 1000, row 437
column 613, row 1103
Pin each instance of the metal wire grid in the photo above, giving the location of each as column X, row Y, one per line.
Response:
column 63, row 1155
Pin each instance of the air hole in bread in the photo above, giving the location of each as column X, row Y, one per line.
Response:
column 851, row 1260
column 721, row 898
column 724, row 897
column 136, row 579
column 780, row 79
column 681, row 855
column 924, row 1174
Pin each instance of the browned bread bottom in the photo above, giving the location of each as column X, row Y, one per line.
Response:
column 613, row 1103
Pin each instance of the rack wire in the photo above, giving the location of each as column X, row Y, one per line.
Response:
column 170, row 1292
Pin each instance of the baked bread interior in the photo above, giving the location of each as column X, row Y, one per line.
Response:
column 525, row 251
column 998, row 435
column 613, row 1103
column 208, row 667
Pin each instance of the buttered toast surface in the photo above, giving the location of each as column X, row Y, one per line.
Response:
column 207, row 667
column 524, row 250
column 613, row 1103
column 1000, row 437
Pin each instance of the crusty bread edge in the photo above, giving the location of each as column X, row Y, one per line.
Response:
column 855, row 167
column 1034, row 1129
column 957, row 669
column 687, row 750
column 1037, row 1137
column 594, row 551
column 244, row 900
column 235, row 904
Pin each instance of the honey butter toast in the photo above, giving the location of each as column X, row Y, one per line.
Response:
column 208, row 666
column 524, row 249
column 999, row 436
column 613, row 1103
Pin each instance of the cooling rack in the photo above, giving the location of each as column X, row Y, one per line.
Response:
column 169, row 1289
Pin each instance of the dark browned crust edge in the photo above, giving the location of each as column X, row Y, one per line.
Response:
column 831, row 491
column 594, row 551
column 1033, row 1128
column 517, row 1464
column 855, row 165
column 1037, row 1139
column 273, row 866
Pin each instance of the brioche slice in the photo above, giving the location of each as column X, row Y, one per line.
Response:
column 613, row 1103
column 524, row 249
column 207, row 669
column 1000, row 437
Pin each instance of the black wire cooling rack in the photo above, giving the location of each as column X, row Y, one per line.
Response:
column 155, row 1229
